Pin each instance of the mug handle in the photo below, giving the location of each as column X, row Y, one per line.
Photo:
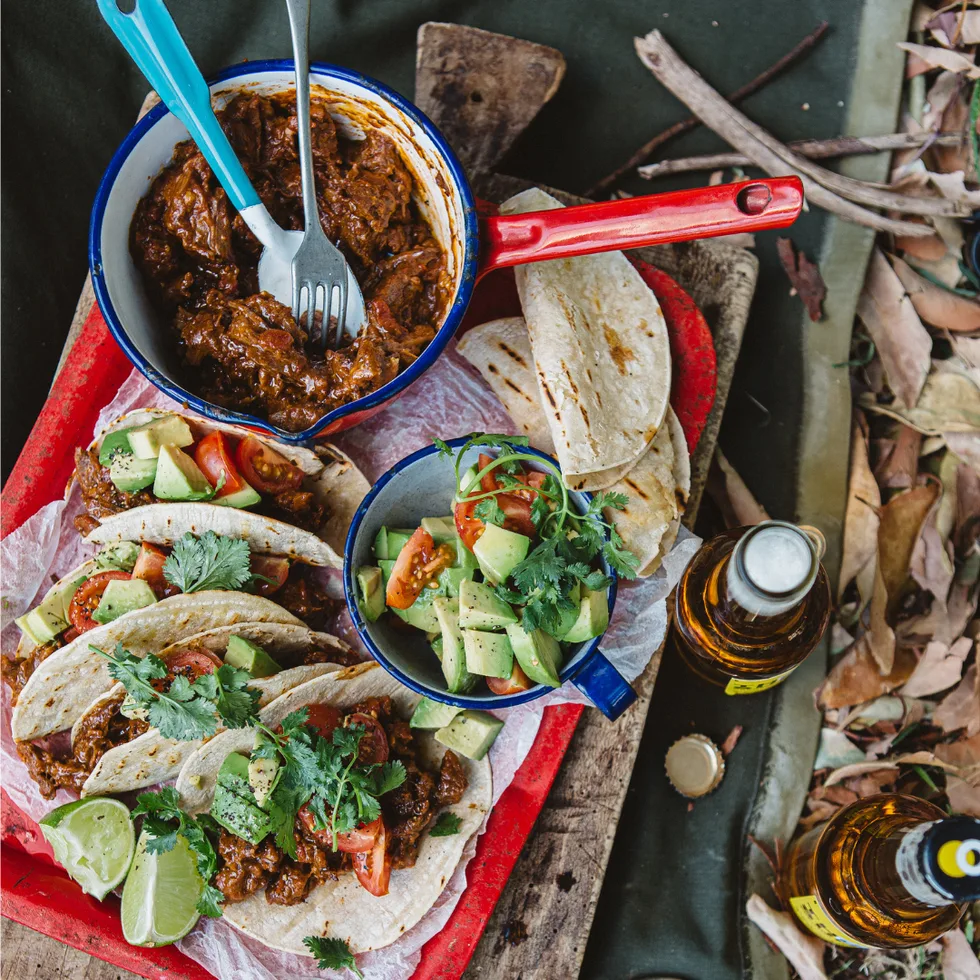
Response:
column 604, row 686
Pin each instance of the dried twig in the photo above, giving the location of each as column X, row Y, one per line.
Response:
column 840, row 146
column 686, row 125
column 767, row 152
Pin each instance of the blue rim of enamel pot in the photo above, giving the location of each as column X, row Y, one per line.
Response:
column 394, row 387
column 568, row 673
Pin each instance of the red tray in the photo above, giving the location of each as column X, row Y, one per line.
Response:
column 37, row 893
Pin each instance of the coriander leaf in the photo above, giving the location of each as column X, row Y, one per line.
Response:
column 388, row 776
column 443, row 448
column 159, row 840
column 488, row 511
column 509, row 595
column 578, row 569
column 185, row 721
column 332, row 954
column 495, row 439
column 447, row 825
column 208, row 562
column 181, row 689
column 209, row 903
column 234, row 700
column 164, row 801
column 596, row 581
column 133, row 672
column 623, row 562
column 540, row 511
column 542, row 566
column 614, row 501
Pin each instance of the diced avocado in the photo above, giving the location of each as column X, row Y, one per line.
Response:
column 45, row 621
column 115, row 444
column 235, row 806
column 442, row 529
column 262, row 775
column 480, row 608
column 147, row 440
column 433, row 714
column 470, row 733
column 420, row 615
column 381, row 543
column 372, row 602
column 386, row 565
column 122, row 596
column 247, row 655
column 453, row 579
column 130, row 473
column 488, row 654
column 465, row 559
column 592, row 619
column 397, row 539
column 446, row 584
column 119, row 554
column 458, row 679
column 179, row 477
column 538, row 653
column 499, row 551
column 436, row 644
column 68, row 592
column 467, row 479
column 246, row 497
column 568, row 615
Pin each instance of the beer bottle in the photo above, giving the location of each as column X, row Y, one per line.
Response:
column 887, row 871
column 752, row 605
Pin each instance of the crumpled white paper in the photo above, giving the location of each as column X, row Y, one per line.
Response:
column 449, row 400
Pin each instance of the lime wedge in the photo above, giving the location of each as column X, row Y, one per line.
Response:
column 160, row 895
column 93, row 840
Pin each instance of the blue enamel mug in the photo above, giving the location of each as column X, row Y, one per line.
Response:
column 423, row 485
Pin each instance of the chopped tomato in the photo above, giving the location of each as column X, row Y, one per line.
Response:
column 360, row 839
column 324, row 718
column 418, row 563
column 536, row 479
column 86, row 599
column 373, row 868
column 489, row 480
column 276, row 569
column 468, row 527
column 192, row 662
column 149, row 567
column 374, row 744
column 533, row 480
column 213, row 456
column 517, row 513
column 517, row 682
column 265, row 469
column 516, row 505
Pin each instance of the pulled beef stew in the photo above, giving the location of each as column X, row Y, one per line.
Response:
column 241, row 348
column 245, row 868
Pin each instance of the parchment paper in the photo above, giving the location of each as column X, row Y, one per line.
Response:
column 448, row 401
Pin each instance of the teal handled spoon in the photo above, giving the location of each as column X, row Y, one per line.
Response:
column 151, row 37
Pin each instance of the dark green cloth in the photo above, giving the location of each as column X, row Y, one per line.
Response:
column 70, row 94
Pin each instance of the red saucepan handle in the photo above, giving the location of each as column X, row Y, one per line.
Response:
column 654, row 219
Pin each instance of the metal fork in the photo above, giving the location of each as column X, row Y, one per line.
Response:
column 319, row 266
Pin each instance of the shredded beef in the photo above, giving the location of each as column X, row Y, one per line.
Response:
column 17, row 671
column 241, row 348
column 99, row 494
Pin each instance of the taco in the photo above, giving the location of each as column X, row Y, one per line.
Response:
column 145, row 597
column 384, row 875
column 114, row 749
column 657, row 484
column 154, row 475
column 601, row 356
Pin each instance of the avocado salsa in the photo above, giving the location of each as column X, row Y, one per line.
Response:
column 504, row 585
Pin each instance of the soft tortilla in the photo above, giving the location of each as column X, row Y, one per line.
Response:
column 150, row 758
column 330, row 475
column 65, row 684
column 601, row 353
column 657, row 485
column 342, row 909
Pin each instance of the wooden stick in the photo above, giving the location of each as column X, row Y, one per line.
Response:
column 764, row 151
column 841, row 146
column 686, row 125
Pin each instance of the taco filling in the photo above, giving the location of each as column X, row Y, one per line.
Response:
column 368, row 825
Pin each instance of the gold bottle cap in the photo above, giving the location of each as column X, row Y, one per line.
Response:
column 694, row 766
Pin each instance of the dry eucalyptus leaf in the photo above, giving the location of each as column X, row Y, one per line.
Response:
column 965, row 445
column 803, row 950
column 952, row 186
column 940, row 93
column 930, row 249
column 958, row 962
column 967, row 349
column 861, row 517
column 950, row 402
column 729, row 491
column 880, row 636
column 908, row 758
column 855, row 678
column 934, row 57
column 932, row 564
column 967, row 498
column 943, row 623
column 961, row 707
column 900, row 525
column 731, row 741
column 903, row 344
column 899, row 469
column 939, row 668
column 964, row 752
column 804, row 275
column 836, row 750
column 963, row 798
column 936, row 305
column 969, row 24
column 946, row 511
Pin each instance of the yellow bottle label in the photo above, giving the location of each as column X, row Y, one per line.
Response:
column 738, row 685
column 811, row 913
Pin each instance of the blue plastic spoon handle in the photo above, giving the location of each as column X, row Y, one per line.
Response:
column 154, row 43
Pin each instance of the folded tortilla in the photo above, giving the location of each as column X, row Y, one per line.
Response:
column 150, row 758
column 343, row 909
column 334, row 479
column 657, row 484
column 601, row 356
column 65, row 684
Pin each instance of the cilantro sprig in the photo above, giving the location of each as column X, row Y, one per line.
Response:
column 447, row 825
column 188, row 710
column 570, row 542
column 208, row 562
column 332, row 954
column 160, row 812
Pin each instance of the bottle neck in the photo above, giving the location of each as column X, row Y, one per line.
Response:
column 912, row 870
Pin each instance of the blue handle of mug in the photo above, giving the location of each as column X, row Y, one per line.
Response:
column 604, row 686
column 151, row 37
